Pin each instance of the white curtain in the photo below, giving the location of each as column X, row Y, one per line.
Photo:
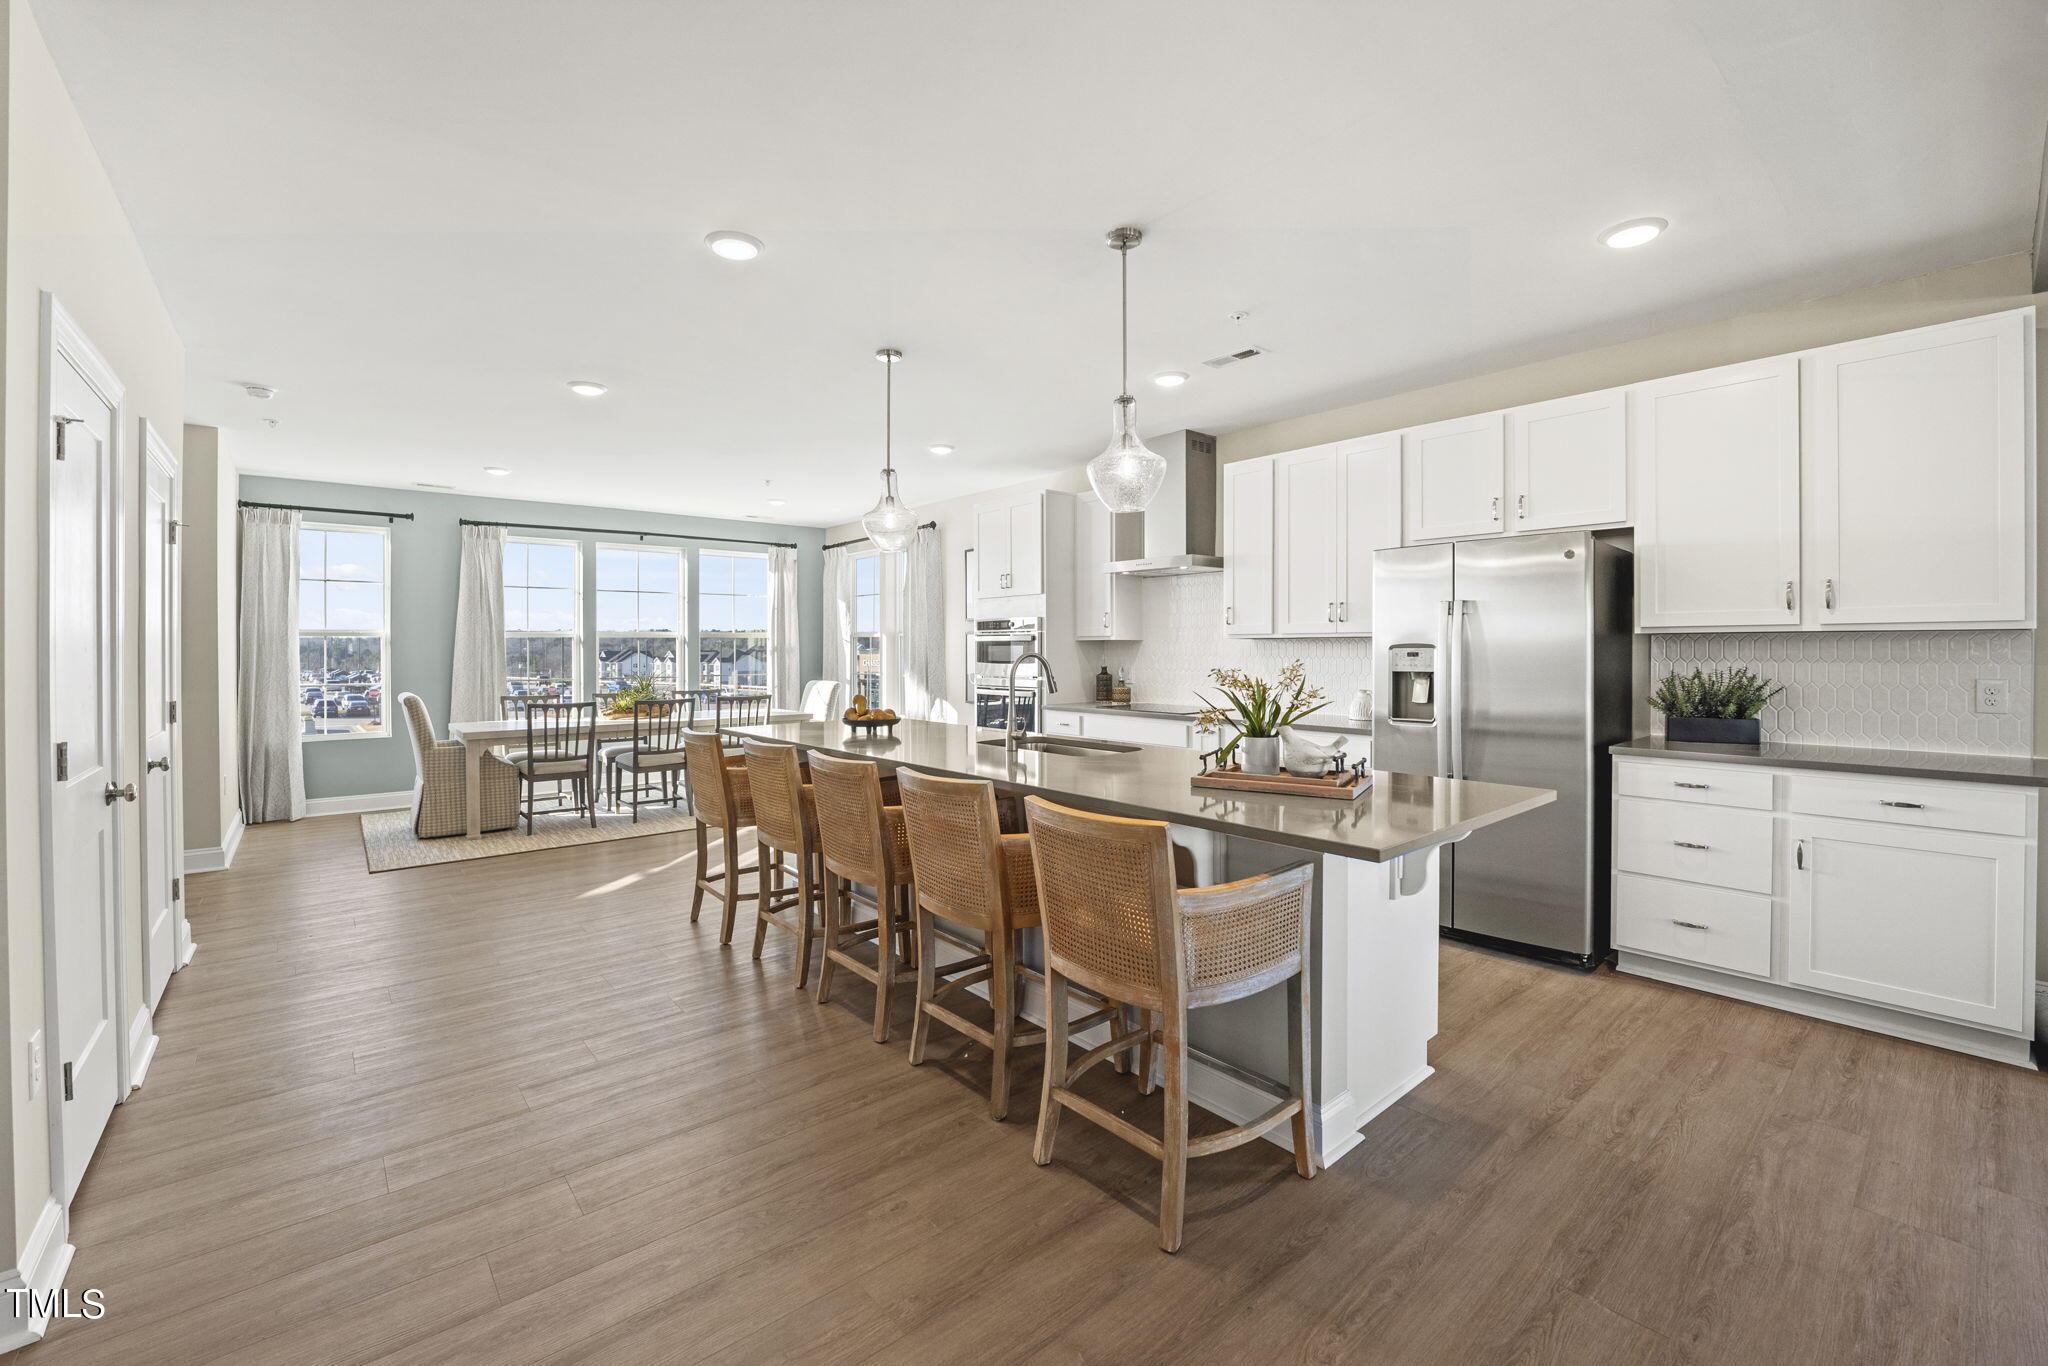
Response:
column 267, row 685
column 839, row 619
column 923, row 627
column 479, row 677
column 785, row 639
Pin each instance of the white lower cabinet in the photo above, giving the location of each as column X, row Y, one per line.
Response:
column 1901, row 905
column 1137, row 730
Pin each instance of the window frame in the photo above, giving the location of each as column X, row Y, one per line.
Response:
column 697, row 595
column 888, row 627
column 685, row 634
column 389, row 699
column 576, row 615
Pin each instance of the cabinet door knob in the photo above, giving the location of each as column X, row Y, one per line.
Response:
column 1788, row 595
column 154, row 764
column 1688, row 844
column 1689, row 925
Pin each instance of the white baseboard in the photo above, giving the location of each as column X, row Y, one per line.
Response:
column 142, row 1043
column 357, row 805
column 41, row 1271
column 218, row 857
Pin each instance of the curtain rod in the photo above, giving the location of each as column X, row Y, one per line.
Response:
column 836, row 545
column 346, row 512
column 643, row 535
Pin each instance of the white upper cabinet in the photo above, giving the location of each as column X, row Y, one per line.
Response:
column 1370, row 470
column 1308, row 541
column 1569, row 461
column 1248, row 547
column 1717, row 497
column 1105, row 604
column 1453, row 478
column 1918, row 500
column 1009, row 548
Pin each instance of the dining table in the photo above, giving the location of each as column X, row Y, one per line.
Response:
column 479, row 737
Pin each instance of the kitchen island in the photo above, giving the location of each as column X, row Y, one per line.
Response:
column 1374, row 954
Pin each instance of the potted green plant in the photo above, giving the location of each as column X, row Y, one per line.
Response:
column 1718, row 708
column 620, row 703
column 1258, row 711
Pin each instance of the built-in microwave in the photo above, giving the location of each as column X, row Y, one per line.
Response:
column 995, row 643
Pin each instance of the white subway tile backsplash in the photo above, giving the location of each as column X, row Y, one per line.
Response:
column 1887, row 689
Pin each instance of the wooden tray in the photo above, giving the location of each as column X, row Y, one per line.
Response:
column 1342, row 786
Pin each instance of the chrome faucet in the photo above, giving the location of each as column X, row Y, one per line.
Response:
column 1012, row 732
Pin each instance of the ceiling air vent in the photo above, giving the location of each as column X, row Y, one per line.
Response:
column 1218, row 362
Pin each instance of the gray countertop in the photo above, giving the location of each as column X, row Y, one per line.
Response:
column 1400, row 814
column 1323, row 720
column 2015, row 771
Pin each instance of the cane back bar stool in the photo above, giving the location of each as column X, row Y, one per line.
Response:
column 1114, row 923
column 721, row 796
column 652, row 762
column 785, row 826
column 860, row 840
column 970, row 873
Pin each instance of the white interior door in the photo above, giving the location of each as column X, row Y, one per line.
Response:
column 162, row 881
column 82, row 867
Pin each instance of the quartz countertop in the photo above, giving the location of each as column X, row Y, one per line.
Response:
column 2011, row 770
column 1400, row 814
column 1323, row 721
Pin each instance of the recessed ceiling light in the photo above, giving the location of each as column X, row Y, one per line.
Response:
column 941, row 449
column 734, row 246
column 1634, row 233
column 1170, row 379
column 778, row 502
column 496, row 469
column 587, row 388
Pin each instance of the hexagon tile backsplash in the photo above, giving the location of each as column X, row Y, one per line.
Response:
column 1882, row 689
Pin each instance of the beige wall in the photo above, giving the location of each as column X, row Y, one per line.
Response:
column 206, row 686
column 65, row 233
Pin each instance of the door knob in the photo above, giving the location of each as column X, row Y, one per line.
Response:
column 124, row 793
column 154, row 764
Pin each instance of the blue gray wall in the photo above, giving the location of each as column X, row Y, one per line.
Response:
column 423, row 568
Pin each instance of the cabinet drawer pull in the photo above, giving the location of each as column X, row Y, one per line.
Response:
column 1330, row 613
column 1690, row 925
column 1697, row 787
column 1688, row 844
column 1903, row 806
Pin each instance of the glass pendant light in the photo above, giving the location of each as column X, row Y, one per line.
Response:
column 889, row 524
column 1126, row 475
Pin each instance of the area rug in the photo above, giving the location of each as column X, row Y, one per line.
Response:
column 389, row 844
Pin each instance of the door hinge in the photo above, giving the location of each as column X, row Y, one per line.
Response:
column 174, row 711
column 63, row 761
column 63, row 424
column 67, row 1081
column 171, row 532
column 177, row 889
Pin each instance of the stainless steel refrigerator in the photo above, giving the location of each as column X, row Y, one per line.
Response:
column 1508, row 661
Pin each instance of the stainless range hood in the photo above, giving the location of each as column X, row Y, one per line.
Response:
column 1180, row 524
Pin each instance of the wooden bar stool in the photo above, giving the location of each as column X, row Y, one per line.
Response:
column 970, row 873
column 785, row 825
column 1115, row 924
column 861, row 840
column 721, row 796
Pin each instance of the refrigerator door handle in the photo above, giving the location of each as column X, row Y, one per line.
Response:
column 1450, row 705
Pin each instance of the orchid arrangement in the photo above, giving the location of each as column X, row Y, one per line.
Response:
column 1256, row 707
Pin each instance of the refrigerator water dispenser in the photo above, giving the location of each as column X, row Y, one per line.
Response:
column 1414, row 679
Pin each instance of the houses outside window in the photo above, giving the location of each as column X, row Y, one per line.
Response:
column 344, row 631
column 543, row 618
column 639, row 616
column 732, row 619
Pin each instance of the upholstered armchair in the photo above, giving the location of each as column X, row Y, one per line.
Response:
column 437, row 795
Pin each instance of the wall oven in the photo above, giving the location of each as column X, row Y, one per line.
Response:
column 993, row 645
column 991, row 707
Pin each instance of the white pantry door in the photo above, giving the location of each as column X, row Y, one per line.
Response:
column 162, row 877
column 86, row 809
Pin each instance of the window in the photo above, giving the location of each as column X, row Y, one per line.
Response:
column 873, row 650
column 639, row 616
column 543, row 618
column 732, row 619
column 344, row 631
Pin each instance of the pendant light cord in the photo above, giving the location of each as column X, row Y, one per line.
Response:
column 888, row 417
column 1123, row 257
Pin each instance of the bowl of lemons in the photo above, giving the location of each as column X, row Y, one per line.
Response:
column 862, row 718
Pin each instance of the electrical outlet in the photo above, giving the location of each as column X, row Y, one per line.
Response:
column 1993, row 697
column 35, row 1064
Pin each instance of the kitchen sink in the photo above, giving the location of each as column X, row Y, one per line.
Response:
column 1069, row 746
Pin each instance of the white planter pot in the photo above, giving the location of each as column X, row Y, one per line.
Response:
column 1259, row 753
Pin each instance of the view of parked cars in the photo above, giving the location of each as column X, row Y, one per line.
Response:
column 342, row 702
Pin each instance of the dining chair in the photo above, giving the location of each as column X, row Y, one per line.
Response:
column 561, row 747
column 1115, row 923
column 821, row 699
column 741, row 709
column 653, row 758
column 438, row 792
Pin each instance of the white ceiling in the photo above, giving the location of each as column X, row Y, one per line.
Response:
column 419, row 218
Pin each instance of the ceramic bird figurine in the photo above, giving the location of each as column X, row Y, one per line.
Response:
column 1308, row 758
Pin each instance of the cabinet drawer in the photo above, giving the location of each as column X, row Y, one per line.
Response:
column 1714, row 845
column 1987, row 810
column 1707, row 925
column 1701, row 784
column 1062, row 723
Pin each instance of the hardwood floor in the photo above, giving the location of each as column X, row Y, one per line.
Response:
column 520, row 1110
